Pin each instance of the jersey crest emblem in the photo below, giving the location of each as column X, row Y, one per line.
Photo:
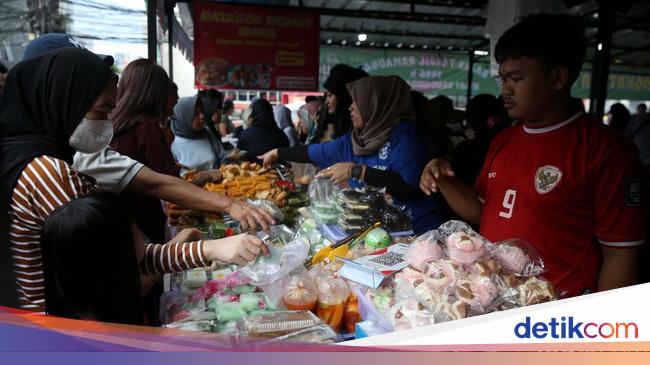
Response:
column 383, row 152
column 546, row 178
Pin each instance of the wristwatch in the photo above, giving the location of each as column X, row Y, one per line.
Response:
column 356, row 171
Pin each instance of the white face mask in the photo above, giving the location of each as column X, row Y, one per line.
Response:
column 92, row 136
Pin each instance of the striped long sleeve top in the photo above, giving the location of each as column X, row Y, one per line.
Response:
column 46, row 184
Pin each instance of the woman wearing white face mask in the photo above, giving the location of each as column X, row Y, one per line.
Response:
column 54, row 105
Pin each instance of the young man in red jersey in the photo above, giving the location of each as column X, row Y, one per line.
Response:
column 558, row 179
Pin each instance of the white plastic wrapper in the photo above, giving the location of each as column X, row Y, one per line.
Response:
column 409, row 313
column 271, row 274
column 322, row 190
column 519, row 257
column 424, row 249
column 283, row 260
column 479, row 292
column 464, row 246
column 270, row 207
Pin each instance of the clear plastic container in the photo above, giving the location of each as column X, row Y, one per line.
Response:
column 275, row 324
column 317, row 334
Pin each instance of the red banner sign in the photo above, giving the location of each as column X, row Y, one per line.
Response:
column 257, row 48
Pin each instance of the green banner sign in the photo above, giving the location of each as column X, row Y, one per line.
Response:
column 435, row 73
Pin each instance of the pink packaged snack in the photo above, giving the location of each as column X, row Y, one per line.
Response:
column 479, row 292
column 535, row 291
column 424, row 249
column 409, row 313
column 442, row 274
column 465, row 248
column 519, row 258
column 449, row 308
column 486, row 267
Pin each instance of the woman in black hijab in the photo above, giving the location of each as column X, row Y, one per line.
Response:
column 338, row 98
column 263, row 134
column 44, row 102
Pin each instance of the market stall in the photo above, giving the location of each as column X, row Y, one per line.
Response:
column 343, row 264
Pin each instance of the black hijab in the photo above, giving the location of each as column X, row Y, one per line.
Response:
column 339, row 76
column 262, row 114
column 45, row 99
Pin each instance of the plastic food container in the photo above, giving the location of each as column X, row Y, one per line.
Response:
column 317, row 334
column 275, row 324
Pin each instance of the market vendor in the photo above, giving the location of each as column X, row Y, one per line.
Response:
column 263, row 134
column 384, row 150
column 195, row 147
column 565, row 183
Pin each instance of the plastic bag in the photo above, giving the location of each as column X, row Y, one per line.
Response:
column 409, row 313
column 280, row 235
column 322, row 190
column 333, row 294
column 301, row 292
column 479, row 292
column 443, row 274
column 395, row 219
column 368, row 310
column 519, row 257
column 270, row 207
column 280, row 264
column 464, row 245
column 424, row 249
column 303, row 173
column 535, row 290
column 272, row 274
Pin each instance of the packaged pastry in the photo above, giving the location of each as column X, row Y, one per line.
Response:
column 275, row 324
column 535, row 291
column 317, row 334
column 230, row 311
column 424, row 249
column 252, row 301
column 486, row 267
column 410, row 313
column 479, row 292
column 519, row 257
column 465, row 248
column 443, row 274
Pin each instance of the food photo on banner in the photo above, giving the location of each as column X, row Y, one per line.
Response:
column 384, row 199
column 260, row 48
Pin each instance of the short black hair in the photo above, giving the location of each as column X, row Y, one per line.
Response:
column 553, row 39
column 642, row 106
column 89, row 261
column 228, row 104
column 310, row 98
column 3, row 68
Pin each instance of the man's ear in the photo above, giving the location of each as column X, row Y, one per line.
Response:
column 560, row 77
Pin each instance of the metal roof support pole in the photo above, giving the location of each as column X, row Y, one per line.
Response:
column 152, row 38
column 470, row 76
column 603, row 52
column 169, row 9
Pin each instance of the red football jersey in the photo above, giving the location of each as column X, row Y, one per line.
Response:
column 566, row 189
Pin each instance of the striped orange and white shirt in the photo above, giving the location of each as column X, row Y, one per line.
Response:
column 46, row 184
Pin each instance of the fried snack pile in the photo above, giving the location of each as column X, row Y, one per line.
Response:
column 249, row 180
